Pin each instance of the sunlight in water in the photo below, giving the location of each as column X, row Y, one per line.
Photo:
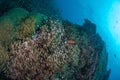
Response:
column 114, row 28
column 114, row 21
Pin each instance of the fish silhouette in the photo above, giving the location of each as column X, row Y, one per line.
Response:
column 115, row 55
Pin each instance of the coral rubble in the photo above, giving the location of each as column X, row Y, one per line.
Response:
column 42, row 48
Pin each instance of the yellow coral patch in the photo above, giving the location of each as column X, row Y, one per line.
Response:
column 3, row 58
column 26, row 28
column 6, row 31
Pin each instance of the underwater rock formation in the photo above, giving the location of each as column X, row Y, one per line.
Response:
column 42, row 48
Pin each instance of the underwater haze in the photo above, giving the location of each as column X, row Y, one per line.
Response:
column 106, row 15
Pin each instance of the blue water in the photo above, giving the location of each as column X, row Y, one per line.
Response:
column 105, row 14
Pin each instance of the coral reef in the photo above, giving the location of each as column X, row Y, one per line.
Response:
column 18, row 24
column 42, row 48
column 29, row 62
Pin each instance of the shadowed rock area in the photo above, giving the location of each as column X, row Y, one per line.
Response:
column 37, row 47
column 46, row 7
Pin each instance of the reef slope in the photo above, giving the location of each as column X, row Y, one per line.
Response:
column 36, row 47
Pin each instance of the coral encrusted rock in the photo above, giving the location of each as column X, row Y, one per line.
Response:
column 36, row 47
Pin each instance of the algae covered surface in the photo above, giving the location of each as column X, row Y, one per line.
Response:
column 36, row 47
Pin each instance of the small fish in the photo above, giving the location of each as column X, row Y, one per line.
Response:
column 115, row 55
column 71, row 41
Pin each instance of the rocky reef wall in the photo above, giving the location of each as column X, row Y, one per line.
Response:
column 37, row 47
